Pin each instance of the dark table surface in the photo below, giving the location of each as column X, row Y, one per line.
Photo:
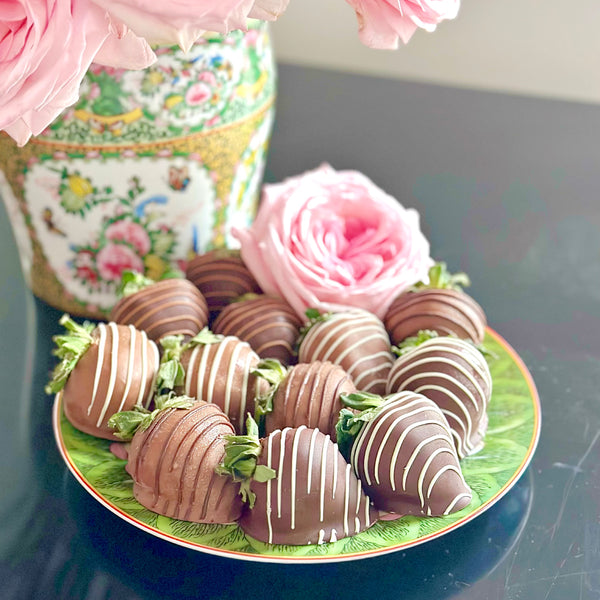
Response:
column 508, row 190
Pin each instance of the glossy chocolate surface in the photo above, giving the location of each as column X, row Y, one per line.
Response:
column 167, row 307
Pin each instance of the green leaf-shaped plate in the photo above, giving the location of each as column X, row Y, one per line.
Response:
column 513, row 432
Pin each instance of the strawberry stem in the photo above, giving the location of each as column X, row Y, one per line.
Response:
column 410, row 343
column 440, row 278
column 70, row 347
column 239, row 463
column 128, row 422
column 271, row 370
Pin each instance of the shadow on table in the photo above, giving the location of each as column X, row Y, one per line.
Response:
column 436, row 569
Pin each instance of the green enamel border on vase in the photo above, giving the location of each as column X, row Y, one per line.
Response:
column 513, row 433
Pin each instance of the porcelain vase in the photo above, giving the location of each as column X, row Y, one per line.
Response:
column 147, row 169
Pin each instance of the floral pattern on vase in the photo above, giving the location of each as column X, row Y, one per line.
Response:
column 147, row 169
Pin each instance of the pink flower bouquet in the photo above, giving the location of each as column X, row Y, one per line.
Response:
column 46, row 46
column 332, row 239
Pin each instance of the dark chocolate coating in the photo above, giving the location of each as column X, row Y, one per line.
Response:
column 315, row 498
column 310, row 395
column 268, row 324
column 167, row 307
column 219, row 373
column 221, row 276
column 173, row 463
column 406, row 460
column 116, row 372
column 357, row 341
column 449, row 312
column 455, row 375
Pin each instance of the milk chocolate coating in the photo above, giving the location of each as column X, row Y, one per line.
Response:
column 455, row 375
column 221, row 276
column 219, row 373
column 167, row 307
column 315, row 498
column 268, row 324
column 357, row 341
column 449, row 312
column 116, row 372
column 310, row 395
column 406, row 460
column 173, row 463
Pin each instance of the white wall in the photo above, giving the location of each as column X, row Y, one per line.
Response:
column 533, row 47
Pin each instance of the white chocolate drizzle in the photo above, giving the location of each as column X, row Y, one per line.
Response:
column 395, row 429
column 114, row 358
column 453, row 373
column 101, row 345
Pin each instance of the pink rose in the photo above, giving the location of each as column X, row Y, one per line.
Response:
column 381, row 23
column 131, row 233
column 332, row 239
column 113, row 259
column 46, row 46
column 184, row 21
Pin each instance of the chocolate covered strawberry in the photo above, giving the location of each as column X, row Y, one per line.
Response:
column 439, row 305
column 455, row 375
column 299, row 487
column 354, row 339
column 267, row 323
column 402, row 450
column 173, row 455
column 305, row 394
column 103, row 370
column 221, row 276
column 160, row 308
column 216, row 369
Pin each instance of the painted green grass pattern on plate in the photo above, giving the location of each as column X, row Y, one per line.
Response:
column 510, row 433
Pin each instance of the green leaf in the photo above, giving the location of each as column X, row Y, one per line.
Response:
column 203, row 338
column 410, row 343
column 272, row 371
column 172, row 273
column 70, row 347
column 128, row 422
column 350, row 422
column 172, row 347
column 314, row 317
column 248, row 296
column 361, row 400
column 131, row 283
column 441, row 278
column 346, row 430
column 171, row 374
column 239, row 461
